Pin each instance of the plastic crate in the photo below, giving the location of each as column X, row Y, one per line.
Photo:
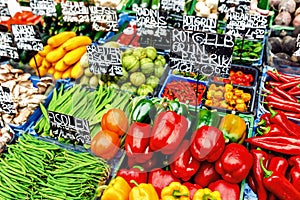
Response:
column 171, row 78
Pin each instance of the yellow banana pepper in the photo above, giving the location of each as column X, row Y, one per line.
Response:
column 175, row 191
column 242, row 107
column 207, row 194
column 118, row 189
column 143, row 191
column 228, row 96
column 233, row 128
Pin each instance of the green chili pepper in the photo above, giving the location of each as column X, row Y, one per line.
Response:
column 209, row 118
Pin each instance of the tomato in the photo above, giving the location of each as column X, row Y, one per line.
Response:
column 105, row 144
column 115, row 120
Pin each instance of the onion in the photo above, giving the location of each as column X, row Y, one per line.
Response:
column 296, row 21
column 283, row 18
column 287, row 5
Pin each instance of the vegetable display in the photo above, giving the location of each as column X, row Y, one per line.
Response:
column 286, row 12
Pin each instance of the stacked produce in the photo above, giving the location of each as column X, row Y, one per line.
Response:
column 207, row 8
column 61, row 56
column 35, row 169
column 288, row 12
column 237, row 78
column 247, row 51
column 25, row 97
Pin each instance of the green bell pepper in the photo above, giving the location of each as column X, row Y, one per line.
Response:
column 209, row 118
column 178, row 107
column 141, row 112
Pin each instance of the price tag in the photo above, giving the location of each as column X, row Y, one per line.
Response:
column 104, row 18
column 6, row 103
column 27, row 37
column 226, row 6
column 297, row 50
column 4, row 11
column 104, row 60
column 7, row 46
column 197, row 23
column 172, row 5
column 75, row 12
column 206, row 53
column 172, row 11
column 70, row 128
column 248, row 25
column 43, row 7
column 147, row 18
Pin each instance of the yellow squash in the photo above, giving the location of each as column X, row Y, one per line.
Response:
column 56, row 55
column 60, row 38
column 74, row 56
column 76, row 42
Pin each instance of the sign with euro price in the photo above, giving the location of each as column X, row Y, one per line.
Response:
column 43, row 7
column 249, row 26
column 70, row 128
column 6, row 103
column 7, row 46
column 104, row 60
column 4, row 11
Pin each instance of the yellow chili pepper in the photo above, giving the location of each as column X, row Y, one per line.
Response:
column 228, row 96
column 208, row 102
column 221, row 88
column 175, row 191
column 235, row 97
column 246, row 97
column 143, row 191
column 207, row 194
column 223, row 104
column 118, row 189
column 210, row 94
column 238, row 92
column 239, row 101
column 228, row 87
column 242, row 107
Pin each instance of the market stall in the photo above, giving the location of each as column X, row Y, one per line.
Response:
column 139, row 99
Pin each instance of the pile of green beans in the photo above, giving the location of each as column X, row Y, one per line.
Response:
column 35, row 169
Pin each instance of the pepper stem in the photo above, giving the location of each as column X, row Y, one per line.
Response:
column 266, row 129
column 261, row 122
column 177, row 193
column 134, row 182
column 273, row 112
column 138, row 167
column 259, row 132
column 267, row 172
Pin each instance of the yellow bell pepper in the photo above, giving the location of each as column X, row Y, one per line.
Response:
column 242, row 107
column 143, row 191
column 207, row 194
column 228, row 87
column 238, row 92
column 239, row 101
column 175, row 191
column 218, row 95
column 118, row 189
column 228, row 96
column 233, row 128
column 208, row 102
column 246, row 97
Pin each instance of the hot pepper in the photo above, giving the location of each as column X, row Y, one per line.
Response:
column 136, row 173
column 235, row 163
column 264, row 119
column 184, row 165
column 228, row 191
column 143, row 191
column 118, row 189
column 272, row 130
column 192, row 188
column 295, row 171
column 278, row 165
column 233, row 128
column 207, row 194
column 207, row 143
column 137, row 142
column 206, row 174
column 175, row 191
column 168, row 131
column 258, row 174
column 160, row 179
column 208, row 117
column 141, row 112
column 279, row 185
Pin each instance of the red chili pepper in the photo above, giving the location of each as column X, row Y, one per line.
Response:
column 258, row 173
column 289, row 85
column 273, row 84
column 283, row 107
column 279, row 185
column 206, row 174
column 278, row 117
column 184, row 165
column 284, row 94
column 295, row 171
column 136, row 173
column 264, row 119
column 294, row 90
column 288, row 76
column 272, row 97
column 292, row 115
column 272, row 130
column 273, row 75
column 283, row 144
column 278, row 165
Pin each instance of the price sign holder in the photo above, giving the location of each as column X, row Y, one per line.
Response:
column 70, row 128
column 103, row 15
column 8, row 48
column 6, row 103
column 297, row 50
column 4, row 11
column 43, row 8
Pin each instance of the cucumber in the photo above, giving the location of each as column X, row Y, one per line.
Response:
column 155, row 4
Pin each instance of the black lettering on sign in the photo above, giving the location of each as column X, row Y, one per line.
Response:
column 43, row 7
column 7, row 46
column 6, row 103
column 244, row 24
column 200, row 49
column 297, row 50
column 75, row 12
column 104, row 60
column 27, row 37
column 197, row 23
column 70, row 128
column 4, row 11
column 226, row 6
column 104, row 18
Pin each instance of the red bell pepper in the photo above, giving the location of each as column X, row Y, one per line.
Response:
column 192, row 188
column 278, row 165
column 235, row 163
column 160, row 179
column 137, row 142
column 258, row 174
column 228, row 191
column 169, row 129
column 184, row 165
column 277, row 184
column 207, row 143
column 136, row 173
column 206, row 174
column 295, row 171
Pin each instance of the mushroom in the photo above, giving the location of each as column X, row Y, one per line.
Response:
column 42, row 87
column 22, row 116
